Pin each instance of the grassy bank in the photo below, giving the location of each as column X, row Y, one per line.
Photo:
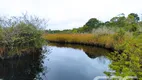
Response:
column 105, row 41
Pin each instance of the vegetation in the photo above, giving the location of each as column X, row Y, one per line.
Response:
column 20, row 35
column 123, row 34
column 130, row 23
column 129, row 62
column 107, row 41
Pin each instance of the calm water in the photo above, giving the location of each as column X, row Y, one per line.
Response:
column 61, row 62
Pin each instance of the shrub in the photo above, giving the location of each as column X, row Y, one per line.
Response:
column 129, row 62
column 103, row 31
column 21, row 34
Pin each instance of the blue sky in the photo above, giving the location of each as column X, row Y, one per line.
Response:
column 67, row 14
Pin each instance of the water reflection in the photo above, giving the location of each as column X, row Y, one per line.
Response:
column 28, row 67
column 65, row 62
column 91, row 51
column 75, row 62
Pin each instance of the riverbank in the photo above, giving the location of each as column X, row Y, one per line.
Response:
column 104, row 41
column 11, row 55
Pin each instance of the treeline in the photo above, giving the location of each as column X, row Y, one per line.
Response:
column 130, row 23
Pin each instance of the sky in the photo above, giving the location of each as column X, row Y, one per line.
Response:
column 68, row 14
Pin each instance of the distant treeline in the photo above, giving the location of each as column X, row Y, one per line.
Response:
column 130, row 23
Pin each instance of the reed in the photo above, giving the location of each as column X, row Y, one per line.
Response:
column 106, row 41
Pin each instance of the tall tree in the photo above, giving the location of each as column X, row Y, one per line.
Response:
column 93, row 23
column 132, row 22
column 118, row 21
column 134, row 16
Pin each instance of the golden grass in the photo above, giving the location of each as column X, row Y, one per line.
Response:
column 69, row 37
column 107, row 41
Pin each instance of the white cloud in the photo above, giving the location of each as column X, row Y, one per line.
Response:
column 64, row 14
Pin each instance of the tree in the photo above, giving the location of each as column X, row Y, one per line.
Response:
column 118, row 21
column 74, row 30
column 132, row 22
column 134, row 16
column 93, row 23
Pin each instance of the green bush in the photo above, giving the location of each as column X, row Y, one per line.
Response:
column 129, row 61
column 19, row 34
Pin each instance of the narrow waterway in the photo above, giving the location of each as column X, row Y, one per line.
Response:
column 60, row 62
column 75, row 62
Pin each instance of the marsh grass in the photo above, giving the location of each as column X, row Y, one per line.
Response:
column 106, row 37
column 106, row 41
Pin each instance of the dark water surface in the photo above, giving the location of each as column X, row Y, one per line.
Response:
column 61, row 62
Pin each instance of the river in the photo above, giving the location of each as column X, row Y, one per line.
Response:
column 59, row 62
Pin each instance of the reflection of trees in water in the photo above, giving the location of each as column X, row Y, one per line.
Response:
column 28, row 67
column 91, row 51
column 102, row 59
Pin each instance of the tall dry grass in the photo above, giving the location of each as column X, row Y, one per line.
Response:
column 107, row 41
column 74, row 38
column 103, row 36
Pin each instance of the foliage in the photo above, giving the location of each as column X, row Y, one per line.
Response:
column 134, row 16
column 118, row 21
column 130, row 23
column 104, row 31
column 20, row 34
column 129, row 62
